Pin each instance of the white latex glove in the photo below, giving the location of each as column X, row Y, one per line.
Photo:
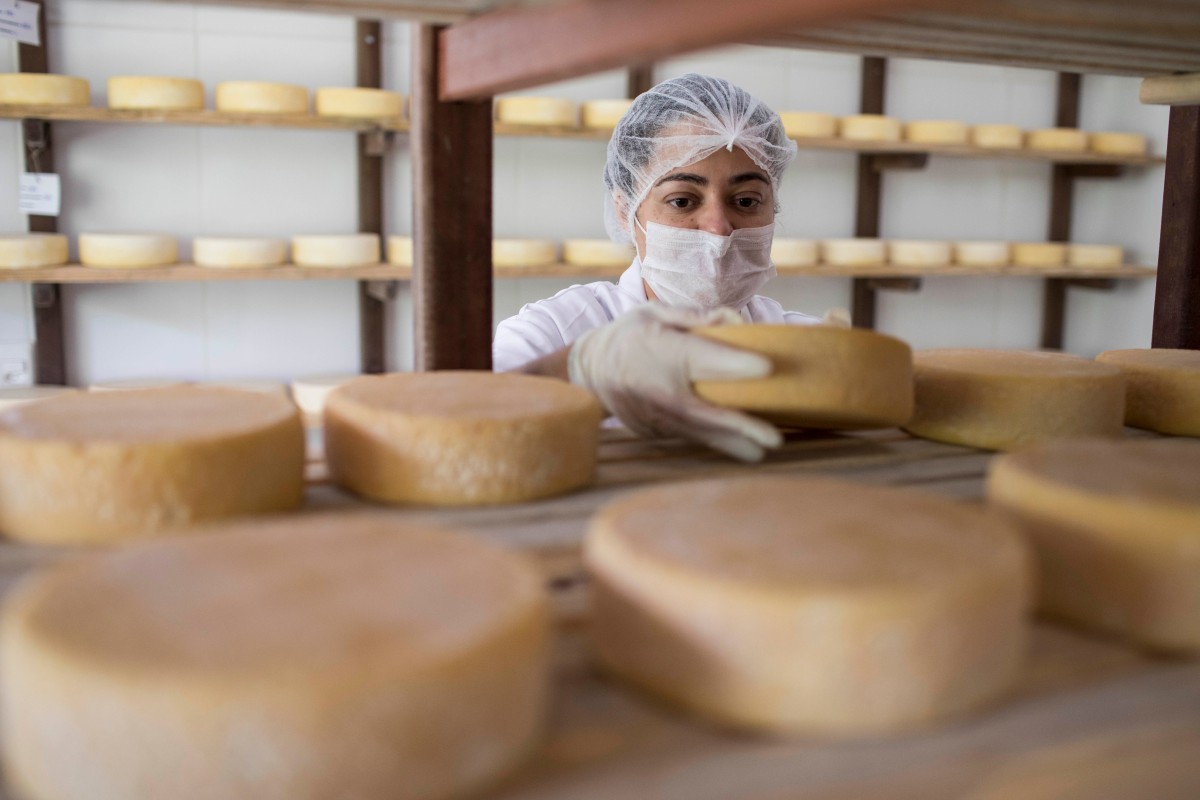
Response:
column 642, row 364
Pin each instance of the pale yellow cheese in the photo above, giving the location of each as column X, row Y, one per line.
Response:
column 809, row 124
column 604, row 114
column 13, row 396
column 261, row 97
column 1163, row 388
column 251, row 385
column 554, row 111
column 302, row 658
column 41, row 89
column 853, row 252
column 523, row 253
column 808, row 606
column 166, row 94
column 238, row 252
column 1000, row 136
column 133, row 384
column 795, row 252
column 870, row 128
column 821, row 377
column 1043, row 255
column 108, row 467
column 1095, row 255
column 1116, row 529
column 1006, row 399
column 1118, row 143
column 310, row 393
column 461, row 438
column 1057, row 140
column 400, row 251
column 981, row 254
column 127, row 250
column 336, row 250
column 936, row 131
column 32, row 250
column 597, row 253
column 918, row 253
column 359, row 102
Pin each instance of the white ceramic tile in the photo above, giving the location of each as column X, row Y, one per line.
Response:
column 97, row 53
column 310, row 62
column 1099, row 321
column 263, row 24
column 16, row 313
column 139, row 15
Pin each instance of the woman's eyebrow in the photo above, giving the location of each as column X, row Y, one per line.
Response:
column 749, row 176
column 689, row 177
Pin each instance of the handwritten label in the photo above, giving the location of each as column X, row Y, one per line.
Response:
column 19, row 21
column 41, row 193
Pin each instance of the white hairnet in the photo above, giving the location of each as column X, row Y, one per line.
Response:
column 680, row 122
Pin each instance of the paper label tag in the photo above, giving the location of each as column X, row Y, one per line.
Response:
column 41, row 193
column 19, row 21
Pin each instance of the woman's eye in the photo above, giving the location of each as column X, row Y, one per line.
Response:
column 747, row 202
column 680, row 202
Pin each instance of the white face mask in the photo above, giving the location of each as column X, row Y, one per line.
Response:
column 684, row 266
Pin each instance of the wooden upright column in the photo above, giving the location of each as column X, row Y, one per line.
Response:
column 1062, row 191
column 1177, row 293
column 372, row 309
column 873, row 86
column 452, row 219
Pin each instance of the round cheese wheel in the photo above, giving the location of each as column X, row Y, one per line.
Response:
column 1095, row 255
column 262, row 387
column 809, row 124
column 917, row 253
column 999, row 136
column 400, row 251
column 261, row 97
column 821, row 377
column 524, row 253
column 1039, row 254
column 1005, row 399
column 1162, row 388
column 461, row 438
column 853, row 252
column 106, row 467
column 1116, row 529
column 936, row 131
column 127, row 250
column 316, row 656
column 32, row 250
column 604, row 114
column 167, row 94
column 1057, row 139
column 537, row 111
column 309, row 394
column 795, row 252
column 41, row 89
column 338, row 250
column 870, row 128
column 981, row 254
column 597, row 253
column 136, row 383
column 234, row 252
column 1118, row 144
column 14, row 396
column 808, row 606
column 359, row 102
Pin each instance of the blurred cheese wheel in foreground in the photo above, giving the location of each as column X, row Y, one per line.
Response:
column 32, row 250
column 336, row 250
column 1039, row 254
column 537, row 111
column 461, row 438
column 102, row 468
column 981, row 254
column 936, row 131
column 997, row 135
column 1163, row 388
column 359, row 102
column 853, row 252
column 134, row 384
column 808, row 606
column 260, row 97
column 604, row 114
column 262, row 387
column 524, row 252
column 822, row 376
column 13, row 396
column 917, row 253
column 1004, row 399
column 1057, row 139
column 1095, row 255
column 300, row 658
column 167, row 94
column 40, row 89
column 235, row 252
column 127, row 250
column 1116, row 529
column 809, row 124
column 1118, row 144
column 870, row 128
column 597, row 253
column 400, row 251
column 794, row 252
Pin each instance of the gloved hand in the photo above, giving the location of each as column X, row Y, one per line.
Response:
column 641, row 366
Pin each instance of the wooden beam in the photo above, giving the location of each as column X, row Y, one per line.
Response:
column 452, row 227
column 639, row 80
column 1062, row 192
column 1170, row 90
column 869, row 189
column 520, row 47
column 372, row 309
column 1177, row 292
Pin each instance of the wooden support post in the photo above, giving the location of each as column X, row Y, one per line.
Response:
column 1054, row 298
column 1177, row 292
column 640, row 79
column 452, row 226
column 872, row 89
column 372, row 310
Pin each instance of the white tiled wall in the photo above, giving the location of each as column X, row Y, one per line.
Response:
column 191, row 181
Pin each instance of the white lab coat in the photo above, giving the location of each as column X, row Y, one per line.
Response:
column 546, row 326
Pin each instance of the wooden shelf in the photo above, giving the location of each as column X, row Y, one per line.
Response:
column 206, row 117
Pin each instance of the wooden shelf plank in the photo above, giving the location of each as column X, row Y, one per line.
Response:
column 205, row 117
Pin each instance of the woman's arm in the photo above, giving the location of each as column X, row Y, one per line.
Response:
column 551, row 365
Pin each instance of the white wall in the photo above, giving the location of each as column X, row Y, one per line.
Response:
column 193, row 181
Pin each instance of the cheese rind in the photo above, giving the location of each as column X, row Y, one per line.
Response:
column 41, row 89
column 555, row 111
column 1070, row 140
column 1005, row 399
column 870, row 128
column 821, row 376
column 400, row 251
column 1000, row 136
column 523, row 253
column 168, row 94
column 1043, row 255
column 14, row 396
column 1095, row 255
column 1162, row 388
column 1116, row 529
column 235, row 252
column 808, row 606
column 795, row 252
column 131, row 384
column 32, row 250
column 336, row 250
column 315, row 656
column 918, row 253
column 461, row 438
column 108, row 467
column 853, row 252
column 597, row 253
column 261, row 97
column 1118, row 143
column 603, row 114
column 981, row 254
column 936, row 131
column 809, row 124
column 127, row 250
column 359, row 102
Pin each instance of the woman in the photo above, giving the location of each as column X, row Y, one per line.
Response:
column 693, row 174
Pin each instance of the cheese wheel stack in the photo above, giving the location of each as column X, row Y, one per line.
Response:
column 821, row 376
column 127, row 250
column 1118, row 144
column 106, row 467
column 853, row 252
column 936, row 131
column 1004, row 399
column 1063, row 140
column 131, row 92
column 1039, row 255
column 32, row 250
column 999, row 136
column 1116, row 529
column 296, row 659
column 510, row 253
column 554, row 111
column 41, row 89
column 1163, row 388
column 359, row 103
column 597, row 253
column 261, row 97
column 871, row 128
column 917, row 253
column 603, row 114
column 238, row 252
column 808, row 606
column 794, row 252
column 809, row 124
column 981, row 254
column 336, row 250
column 461, row 438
